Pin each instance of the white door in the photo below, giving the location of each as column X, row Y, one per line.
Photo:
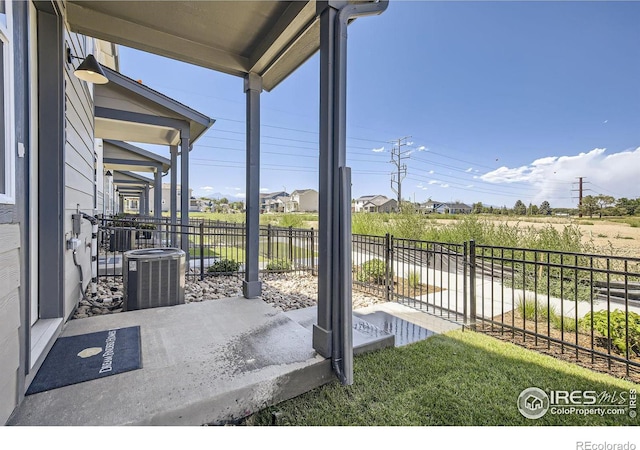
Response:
column 33, row 164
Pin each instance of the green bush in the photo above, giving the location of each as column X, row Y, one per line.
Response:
column 291, row 220
column 617, row 325
column 224, row 266
column 414, row 279
column 373, row 271
column 279, row 264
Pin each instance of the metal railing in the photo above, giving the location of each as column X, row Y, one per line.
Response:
column 585, row 305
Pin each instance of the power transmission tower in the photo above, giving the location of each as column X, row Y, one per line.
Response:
column 397, row 155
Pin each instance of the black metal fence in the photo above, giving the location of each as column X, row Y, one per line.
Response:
column 580, row 305
column 214, row 247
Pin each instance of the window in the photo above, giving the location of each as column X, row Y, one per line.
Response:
column 7, row 161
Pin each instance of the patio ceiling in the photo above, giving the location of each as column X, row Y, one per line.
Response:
column 268, row 38
column 127, row 110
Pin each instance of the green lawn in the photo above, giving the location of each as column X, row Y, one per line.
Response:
column 458, row 378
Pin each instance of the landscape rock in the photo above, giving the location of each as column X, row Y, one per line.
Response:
column 284, row 291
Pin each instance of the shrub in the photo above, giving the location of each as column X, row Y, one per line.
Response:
column 279, row 264
column 617, row 325
column 291, row 220
column 224, row 266
column 530, row 309
column 373, row 271
column 414, row 279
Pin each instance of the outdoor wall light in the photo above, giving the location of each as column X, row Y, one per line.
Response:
column 89, row 70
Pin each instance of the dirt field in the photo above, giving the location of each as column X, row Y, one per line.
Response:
column 603, row 235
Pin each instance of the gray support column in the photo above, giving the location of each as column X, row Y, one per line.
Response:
column 332, row 336
column 157, row 193
column 141, row 204
column 173, row 192
column 121, row 203
column 322, row 339
column 184, row 190
column 146, row 200
column 251, row 286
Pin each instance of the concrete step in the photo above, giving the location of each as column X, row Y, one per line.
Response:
column 366, row 336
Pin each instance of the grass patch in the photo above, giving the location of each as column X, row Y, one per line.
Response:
column 458, row 378
column 232, row 253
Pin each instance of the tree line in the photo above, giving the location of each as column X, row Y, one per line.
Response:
column 600, row 205
column 606, row 205
column 519, row 209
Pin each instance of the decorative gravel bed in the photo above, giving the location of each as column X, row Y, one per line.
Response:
column 285, row 291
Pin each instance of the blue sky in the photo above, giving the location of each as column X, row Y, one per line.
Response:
column 502, row 101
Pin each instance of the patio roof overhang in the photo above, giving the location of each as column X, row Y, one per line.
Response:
column 130, row 179
column 122, row 156
column 127, row 110
column 268, row 38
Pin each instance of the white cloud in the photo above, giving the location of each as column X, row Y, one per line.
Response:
column 206, row 188
column 470, row 169
column 553, row 177
column 378, row 150
column 422, row 148
column 264, row 189
column 432, row 181
column 240, row 195
column 444, row 185
column 431, row 172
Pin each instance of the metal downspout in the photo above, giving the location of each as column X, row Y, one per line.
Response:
column 341, row 312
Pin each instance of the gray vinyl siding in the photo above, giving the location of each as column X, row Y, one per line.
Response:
column 79, row 170
column 9, row 317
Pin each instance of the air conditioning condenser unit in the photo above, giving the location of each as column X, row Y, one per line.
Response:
column 153, row 277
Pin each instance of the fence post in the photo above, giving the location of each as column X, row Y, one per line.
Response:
column 269, row 241
column 201, row 251
column 387, row 264
column 313, row 253
column 291, row 244
column 465, row 283
column 472, row 284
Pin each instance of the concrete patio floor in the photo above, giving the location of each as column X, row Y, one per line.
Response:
column 203, row 363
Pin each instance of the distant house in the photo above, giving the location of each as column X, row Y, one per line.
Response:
column 166, row 198
column 375, row 203
column 273, row 202
column 445, row 208
column 302, row 200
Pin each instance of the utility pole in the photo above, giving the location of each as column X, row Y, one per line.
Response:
column 580, row 194
column 397, row 155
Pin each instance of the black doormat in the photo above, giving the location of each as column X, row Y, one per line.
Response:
column 75, row 359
